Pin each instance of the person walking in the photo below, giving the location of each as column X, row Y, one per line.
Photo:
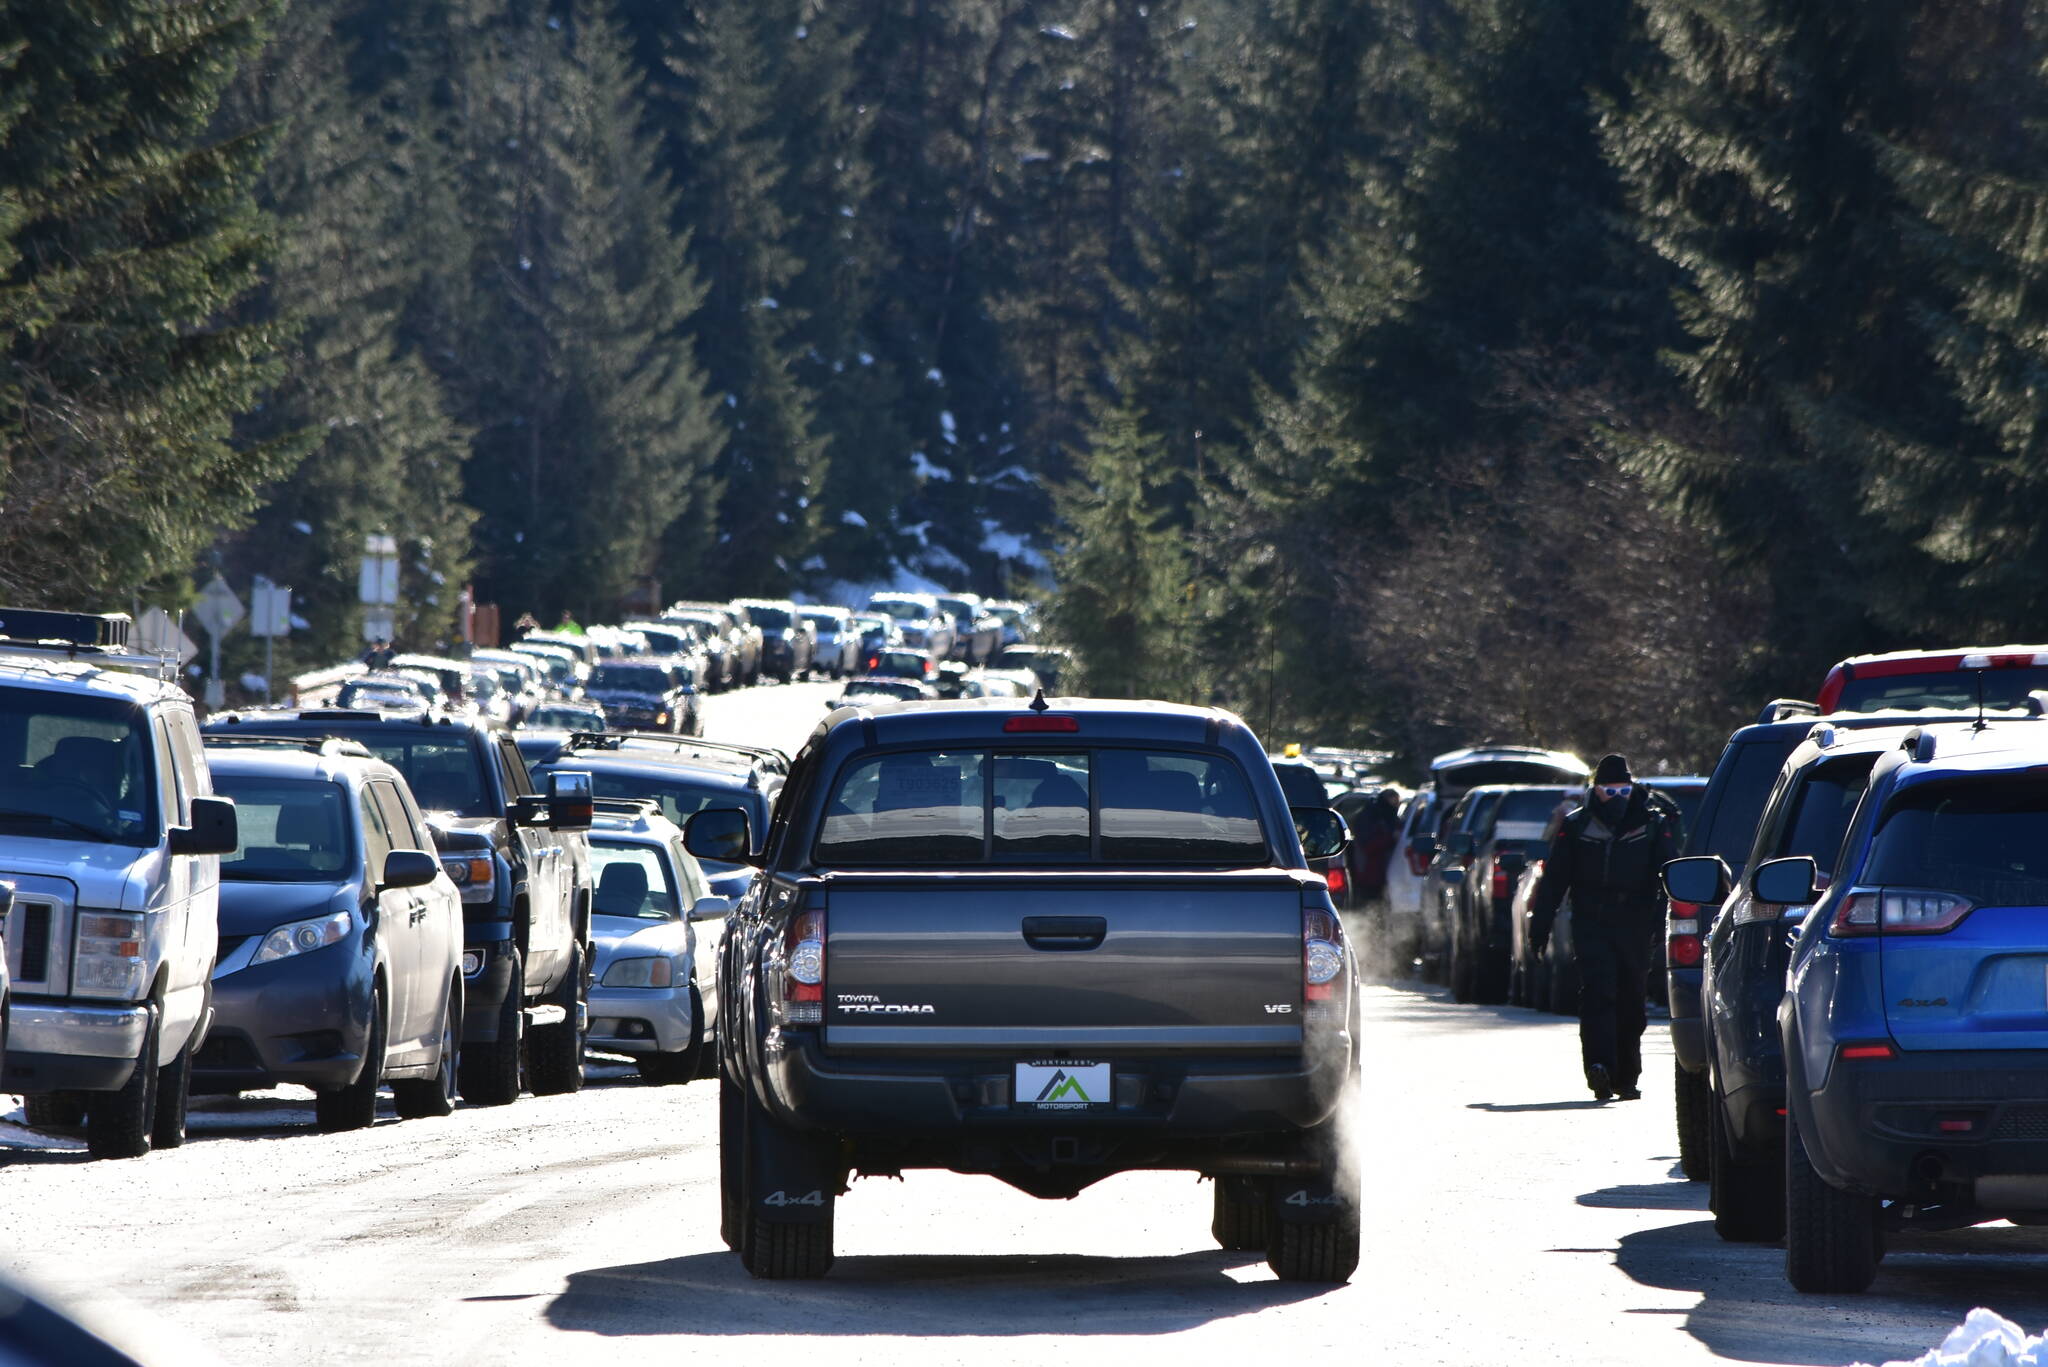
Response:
column 1606, row 857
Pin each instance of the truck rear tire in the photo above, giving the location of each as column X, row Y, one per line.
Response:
column 118, row 1124
column 555, row 1052
column 1315, row 1253
column 1690, row 1101
column 1242, row 1221
column 1832, row 1241
column 1746, row 1196
column 354, row 1106
column 731, row 1140
column 54, row 1110
column 489, row 1073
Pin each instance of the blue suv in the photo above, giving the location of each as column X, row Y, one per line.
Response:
column 1915, row 1021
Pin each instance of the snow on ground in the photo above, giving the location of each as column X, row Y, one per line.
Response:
column 1985, row 1339
column 921, row 465
column 1009, row 545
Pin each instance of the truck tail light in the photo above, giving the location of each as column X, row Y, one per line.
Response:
column 803, row 968
column 1322, row 958
column 1899, row 912
column 1682, row 945
column 1502, row 889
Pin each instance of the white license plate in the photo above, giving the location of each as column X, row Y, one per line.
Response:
column 1062, row 1085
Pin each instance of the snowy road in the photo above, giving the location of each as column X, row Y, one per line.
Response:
column 1510, row 1221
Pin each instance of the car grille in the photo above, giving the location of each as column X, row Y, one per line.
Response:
column 28, row 936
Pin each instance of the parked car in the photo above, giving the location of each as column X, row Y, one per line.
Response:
column 918, row 617
column 450, row 676
column 838, row 643
column 1912, row 1027
column 871, row 689
column 1303, row 787
column 877, row 631
column 902, row 663
column 340, row 958
column 992, row 683
column 725, row 663
column 567, row 716
column 111, row 837
column 1509, row 829
column 1020, row 622
column 1414, row 847
column 1998, row 677
column 563, row 669
column 977, row 632
column 1447, row 861
column 789, row 644
column 1155, row 869
column 682, row 780
column 1049, row 663
column 651, row 693
column 657, row 927
column 522, row 865
column 753, row 652
column 380, row 695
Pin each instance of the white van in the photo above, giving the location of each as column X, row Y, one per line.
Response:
column 111, row 837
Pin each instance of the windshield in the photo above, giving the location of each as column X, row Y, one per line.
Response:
column 556, row 717
column 1987, row 840
column 902, row 664
column 769, row 619
column 823, row 621
column 899, row 607
column 1531, row 805
column 442, row 773
column 74, row 767
column 630, row 678
column 1948, row 690
column 632, row 880
column 865, row 625
column 902, row 692
column 559, row 668
column 292, row 830
column 1744, row 779
column 1105, row 806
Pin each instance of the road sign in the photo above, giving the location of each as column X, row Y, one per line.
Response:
column 156, row 633
column 270, row 609
column 378, row 587
column 379, row 624
column 218, row 609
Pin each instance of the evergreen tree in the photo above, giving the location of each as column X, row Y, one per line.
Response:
column 135, row 236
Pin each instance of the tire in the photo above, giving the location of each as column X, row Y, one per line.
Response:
column 1242, row 1220
column 430, row 1098
column 488, row 1074
column 119, row 1124
column 1691, row 1098
column 555, row 1052
column 788, row 1252
column 54, row 1111
column 1315, row 1253
column 1464, row 987
column 1491, row 972
column 1832, row 1241
column 173, row 1100
column 354, row 1107
column 1746, row 1196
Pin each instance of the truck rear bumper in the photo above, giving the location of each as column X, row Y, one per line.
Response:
column 60, row 1047
column 1206, row 1096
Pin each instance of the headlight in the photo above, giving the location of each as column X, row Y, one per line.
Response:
column 472, row 962
column 473, row 874
column 640, row 973
column 302, row 937
column 661, row 719
column 110, row 962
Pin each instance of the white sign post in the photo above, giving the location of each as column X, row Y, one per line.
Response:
column 378, row 588
column 218, row 610
column 158, row 634
column 270, row 616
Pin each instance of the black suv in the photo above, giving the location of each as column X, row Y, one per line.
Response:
column 646, row 695
column 523, row 866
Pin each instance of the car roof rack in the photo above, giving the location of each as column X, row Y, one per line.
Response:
column 1785, row 709
column 767, row 755
column 312, row 745
column 96, row 638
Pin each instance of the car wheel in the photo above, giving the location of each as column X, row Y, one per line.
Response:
column 488, row 1074
column 1691, row 1098
column 1490, row 973
column 1746, row 1196
column 1832, row 1240
column 173, row 1100
column 118, row 1124
column 1242, row 1220
column 427, row 1098
column 1460, row 968
column 556, row 1051
column 54, row 1111
column 787, row 1200
column 354, row 1107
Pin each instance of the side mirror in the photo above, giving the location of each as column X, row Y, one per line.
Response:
column 570, row 804
column 1702, row 880
column 6, row 901
column 720, row 834
column 408, row 869
column 1323, row 833
column 710, row 908
column 214, row 828
column 1460, row 845
column 1787, row 882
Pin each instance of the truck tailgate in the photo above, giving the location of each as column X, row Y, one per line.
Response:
column 1010, row 962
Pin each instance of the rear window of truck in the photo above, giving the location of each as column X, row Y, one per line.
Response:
column 1112, row 806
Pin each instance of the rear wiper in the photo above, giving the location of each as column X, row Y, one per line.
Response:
column 55, row 820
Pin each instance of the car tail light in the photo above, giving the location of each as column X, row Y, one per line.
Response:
column 1418, row 862
column 1898, row 912
column 1322, row 958
column 1684, row 951
column 1502, row 889
column 803, row 968
column 1337, row 879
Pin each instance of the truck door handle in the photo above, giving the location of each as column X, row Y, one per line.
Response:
column 1064, row 932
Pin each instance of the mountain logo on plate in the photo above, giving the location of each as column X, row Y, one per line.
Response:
column 1063, row 1086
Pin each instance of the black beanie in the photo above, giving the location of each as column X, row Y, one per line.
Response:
column 1613, row 769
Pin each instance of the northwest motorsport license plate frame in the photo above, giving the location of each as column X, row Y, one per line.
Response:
column 1062, row 1085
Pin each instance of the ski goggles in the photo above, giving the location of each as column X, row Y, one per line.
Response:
column 1614, row 789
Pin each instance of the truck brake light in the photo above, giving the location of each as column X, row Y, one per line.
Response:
column 803, row 969
column 1322, row 954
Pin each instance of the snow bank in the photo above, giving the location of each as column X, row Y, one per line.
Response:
column 1984, row 1339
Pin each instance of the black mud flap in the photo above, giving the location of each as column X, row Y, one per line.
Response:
column 1310, row 1200
column 793, row 1177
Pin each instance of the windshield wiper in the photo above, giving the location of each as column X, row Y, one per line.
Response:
column 55, row 820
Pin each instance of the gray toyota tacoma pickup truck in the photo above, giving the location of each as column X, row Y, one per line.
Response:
column 1045, row 943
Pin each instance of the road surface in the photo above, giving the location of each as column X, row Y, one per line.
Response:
column 1509, row 1220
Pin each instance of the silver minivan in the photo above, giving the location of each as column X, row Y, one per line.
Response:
column 111, row 837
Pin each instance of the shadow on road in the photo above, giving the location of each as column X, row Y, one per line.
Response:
column 1521, row 1107
column 1928, row 1283
column 937, row 1296
column 1650, row 1196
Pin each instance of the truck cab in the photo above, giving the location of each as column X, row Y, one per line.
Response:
column 111, row 838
